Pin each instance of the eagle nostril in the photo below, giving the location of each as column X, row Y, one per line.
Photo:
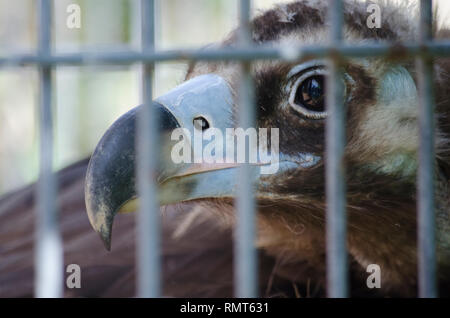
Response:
column 201, row 123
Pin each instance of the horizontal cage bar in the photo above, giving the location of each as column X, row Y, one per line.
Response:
column 239, row 53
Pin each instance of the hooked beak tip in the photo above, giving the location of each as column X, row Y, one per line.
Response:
column 106, row 239
column 104, row 231
column 102, row 223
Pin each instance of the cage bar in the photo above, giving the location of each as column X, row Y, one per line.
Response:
column 336, row 228
column 148, row 218
column 245, row 262
column 48, row 253
column 441, row 48
column 426, row 250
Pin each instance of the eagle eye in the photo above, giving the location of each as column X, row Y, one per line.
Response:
column 311, row 94
column 307, row 91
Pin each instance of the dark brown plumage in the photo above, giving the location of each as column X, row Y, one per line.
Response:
column 197, row 236
column 112, row 274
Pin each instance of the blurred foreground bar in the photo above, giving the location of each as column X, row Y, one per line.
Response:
column 336, row 227
column 148, row 219
column 48, row 252
column 426, row 250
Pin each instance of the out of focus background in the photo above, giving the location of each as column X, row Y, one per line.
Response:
column 88, row 99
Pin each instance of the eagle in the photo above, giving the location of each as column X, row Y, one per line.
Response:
column 198, row 214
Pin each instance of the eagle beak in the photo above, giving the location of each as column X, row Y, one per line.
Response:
column 110, row 185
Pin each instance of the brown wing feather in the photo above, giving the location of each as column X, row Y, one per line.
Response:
column 196, row 263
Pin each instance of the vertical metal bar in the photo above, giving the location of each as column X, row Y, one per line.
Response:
column 148, row 219
column 336, row 228
column 48, row 255
column 246, row 271
column 426, row 208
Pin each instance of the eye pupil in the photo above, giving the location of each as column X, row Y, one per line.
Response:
column 310, row 94
column 313, row 89
column 201, row 123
